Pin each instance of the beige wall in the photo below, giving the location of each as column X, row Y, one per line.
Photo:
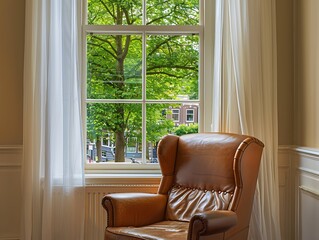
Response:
column 11, row 71
column 285, row 71
column 307, row 73
column 11, row 105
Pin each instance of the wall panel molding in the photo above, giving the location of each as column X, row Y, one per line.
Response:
column 10, row 156
column 10, row 189
column 306, row 192
column 313, row 193
column 9, row 238
column 285, row 192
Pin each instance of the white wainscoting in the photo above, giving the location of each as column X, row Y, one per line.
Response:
column 286, row 200
column 306, row 193
column 299, row 192
column 10, row 192
column 95, row 215
column 298, row 185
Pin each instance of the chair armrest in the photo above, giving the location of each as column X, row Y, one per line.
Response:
column 211, row 222
column 134, row 209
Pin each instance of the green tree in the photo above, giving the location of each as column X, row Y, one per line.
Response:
column 114, row 64
column 184, row 129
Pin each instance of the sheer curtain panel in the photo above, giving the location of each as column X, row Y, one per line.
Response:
column 53, row 179
column 245, row 95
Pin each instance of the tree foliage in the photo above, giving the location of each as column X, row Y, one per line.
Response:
column 184, row 129
column 114, row 68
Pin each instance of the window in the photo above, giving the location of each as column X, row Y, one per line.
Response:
column 142, row 59
column 189, row 115
column 175, row 115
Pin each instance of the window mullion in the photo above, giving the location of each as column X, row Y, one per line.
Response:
column 137, row 29
column 144, row 12
column 144, row 142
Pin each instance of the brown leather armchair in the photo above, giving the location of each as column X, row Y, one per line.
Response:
column 206, row 191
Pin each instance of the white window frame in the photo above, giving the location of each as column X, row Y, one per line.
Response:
column 205, row 79
column 188, row 110
column 177, row 113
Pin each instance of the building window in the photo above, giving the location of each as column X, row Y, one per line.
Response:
column 189, row 115
column 175, row 115
column 141, row 57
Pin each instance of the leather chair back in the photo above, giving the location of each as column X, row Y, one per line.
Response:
column 209, row 171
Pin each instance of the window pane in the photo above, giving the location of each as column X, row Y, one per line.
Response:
column 172, row 67
column 114, row 65
column 114, row 12
column 175, row 115
column 132, row 145
column 160, row 121
column 190, row 115
column 177, row 12
column 111, row 127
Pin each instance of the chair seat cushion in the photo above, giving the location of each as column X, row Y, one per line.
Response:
column 166, row 230
column 185, row 202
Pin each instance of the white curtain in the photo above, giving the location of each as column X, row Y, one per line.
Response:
column 245, row 95
column 53, row 181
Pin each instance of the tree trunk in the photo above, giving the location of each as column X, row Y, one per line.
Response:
column 120, row 147
column 99, row 149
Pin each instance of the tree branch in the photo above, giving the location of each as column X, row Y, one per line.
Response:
column 105, row 41
column 127, row 16
column 165, row 73
column 172, row 66
column 126, row 47
column 108, row 10
column 161, row 44
column 106, row 50
column 163, row 16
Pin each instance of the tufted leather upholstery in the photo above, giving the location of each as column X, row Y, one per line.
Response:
column 206, row 191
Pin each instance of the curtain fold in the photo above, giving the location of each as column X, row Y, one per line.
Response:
column 245, row 95
column 52, row 170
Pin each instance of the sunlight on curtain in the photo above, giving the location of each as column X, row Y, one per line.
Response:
column 53, row 177
column 245, row 95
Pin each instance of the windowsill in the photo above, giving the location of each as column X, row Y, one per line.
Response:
column 122, row 178
column 111, row 166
